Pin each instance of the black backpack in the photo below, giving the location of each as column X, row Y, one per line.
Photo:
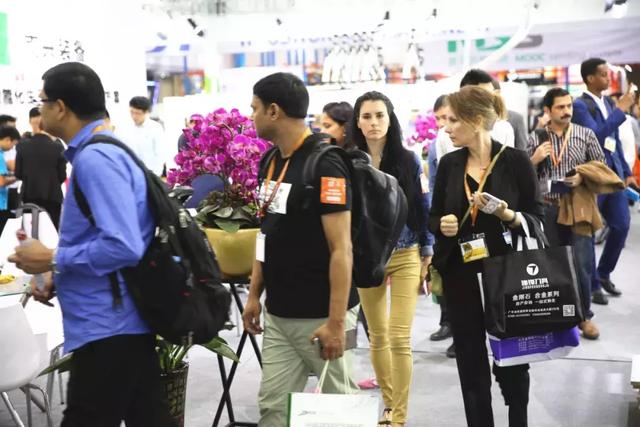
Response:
column 378, row 212
column 176, row 286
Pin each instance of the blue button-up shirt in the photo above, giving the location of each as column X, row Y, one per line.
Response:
column 116, row 191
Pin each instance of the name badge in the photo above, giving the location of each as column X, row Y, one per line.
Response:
column 610, row 144
column 473, row 248
column 260, row 247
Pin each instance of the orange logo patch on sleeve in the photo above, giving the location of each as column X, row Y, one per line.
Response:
column 333, row 191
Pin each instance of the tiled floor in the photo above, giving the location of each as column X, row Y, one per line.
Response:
column 588, row 389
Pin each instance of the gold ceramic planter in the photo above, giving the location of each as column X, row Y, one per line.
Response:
column 235, row 252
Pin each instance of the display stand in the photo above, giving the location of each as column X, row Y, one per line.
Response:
column 227, row 381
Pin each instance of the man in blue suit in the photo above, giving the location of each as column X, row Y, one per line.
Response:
column 599, row 113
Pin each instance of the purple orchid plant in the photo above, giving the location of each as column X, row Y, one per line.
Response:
column 426, row 130
column 224, row 144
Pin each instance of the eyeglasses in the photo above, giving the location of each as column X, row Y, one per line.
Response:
column 45, row 101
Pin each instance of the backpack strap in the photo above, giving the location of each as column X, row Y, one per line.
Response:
column 84, row 207
column 322, row 144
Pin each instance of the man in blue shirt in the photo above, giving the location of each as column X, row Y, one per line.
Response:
column 115, row 373
column 599, row 113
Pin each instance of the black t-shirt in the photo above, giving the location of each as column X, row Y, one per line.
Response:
column 296, row 266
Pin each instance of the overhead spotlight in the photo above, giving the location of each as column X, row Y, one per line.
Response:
column 196, row 28
column 628, row 68
column 618, row 8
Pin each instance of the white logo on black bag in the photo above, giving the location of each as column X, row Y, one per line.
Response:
column 533, row 269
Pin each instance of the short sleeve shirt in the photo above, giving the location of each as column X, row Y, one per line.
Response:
column 296, row 263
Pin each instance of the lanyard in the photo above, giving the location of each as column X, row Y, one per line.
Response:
column 565, row 141
column 467, row 190
column 473, row 209
column 272, row 166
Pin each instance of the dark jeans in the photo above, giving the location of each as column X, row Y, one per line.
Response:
column 116, row 379
column 614, row 208
column 583, row 255
column 444, row 311
column 462, row 291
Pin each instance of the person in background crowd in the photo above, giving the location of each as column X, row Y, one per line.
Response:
column 567, row 146
column 303, row 257
column 440, row 109
column 598, row 113
column 115, row 371
column 41, row 166
column 7, row 120
column 472, row 113
column 9, row 137
column 629, row 132
column 334, row 121
column 375, row 130
column 183, row 143
column 144, row 135
column 516, row 121
column 10, row 162
column 502, row 130
column 34, row 123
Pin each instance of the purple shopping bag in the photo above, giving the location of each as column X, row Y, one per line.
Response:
column 534, row 348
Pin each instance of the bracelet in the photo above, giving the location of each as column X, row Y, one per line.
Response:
column 512, row 220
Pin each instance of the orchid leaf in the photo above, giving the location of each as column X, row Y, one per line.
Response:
column 229, row 226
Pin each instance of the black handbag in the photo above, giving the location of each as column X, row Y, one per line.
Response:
column 531, row 291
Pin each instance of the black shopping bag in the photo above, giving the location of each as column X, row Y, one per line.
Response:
column 532, row 291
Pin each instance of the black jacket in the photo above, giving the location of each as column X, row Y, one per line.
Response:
column 41, row 166
column 513, row 180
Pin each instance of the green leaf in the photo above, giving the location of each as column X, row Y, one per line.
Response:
column 228, row 225
column 220, row 346
column 61, row 365
column 225, row 212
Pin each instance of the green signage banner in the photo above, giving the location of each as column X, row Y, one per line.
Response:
column 4, row 40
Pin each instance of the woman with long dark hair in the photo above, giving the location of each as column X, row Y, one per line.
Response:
column 335, row 120
column 375, row 129
column 463, row 180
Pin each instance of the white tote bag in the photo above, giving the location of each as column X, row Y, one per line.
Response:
column 332, row 410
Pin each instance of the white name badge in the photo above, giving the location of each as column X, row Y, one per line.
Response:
column 260, row 247
column 279, row 203
column 610, row 144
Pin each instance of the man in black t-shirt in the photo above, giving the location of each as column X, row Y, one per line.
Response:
column 303, row 255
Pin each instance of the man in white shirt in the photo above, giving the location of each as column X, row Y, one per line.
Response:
column 144, row 136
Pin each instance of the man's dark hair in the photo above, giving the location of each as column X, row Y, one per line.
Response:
column 340, row 112
column 440, row 102
column 34, row 112
column 140, row 103
column 286, row 91
column 551, row 95
column 5, row 118
column 9, row 131
column 78, row 86
column 475, row 77
column 590, row 66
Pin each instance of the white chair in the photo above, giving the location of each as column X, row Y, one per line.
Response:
column 23, row 356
